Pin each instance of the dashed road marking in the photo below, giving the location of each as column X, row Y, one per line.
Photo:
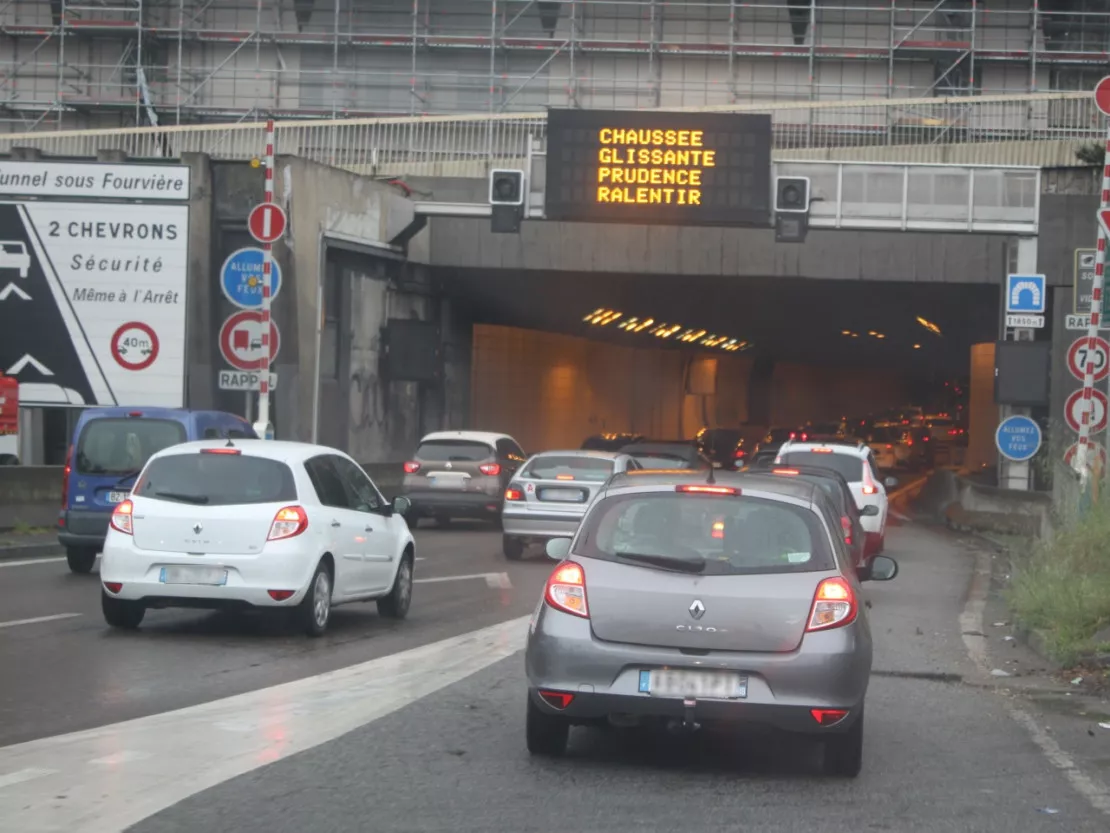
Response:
column 24, row 775
column 27, row 562
column 16, row 622
column 498, row 580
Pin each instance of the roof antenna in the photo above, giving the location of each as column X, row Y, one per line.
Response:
column 230, row 444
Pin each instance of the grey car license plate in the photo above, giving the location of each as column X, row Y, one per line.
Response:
column 572, row 495
column 447, row 481
column 702, row 685
column 214, row 576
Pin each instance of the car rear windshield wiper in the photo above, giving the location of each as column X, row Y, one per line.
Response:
column 183, row 497
column 683, row 565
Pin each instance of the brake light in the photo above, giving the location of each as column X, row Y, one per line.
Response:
column 889, row 446
column 113, row 587
column 65, row 477
column 821, row 450
column 564, row 477
column 909, row 442
column 566, row 590
column 828, row 717
column 121, row 518
column 740, row 453
column 289, row 521
column 135, row 414
column 412, row 467
column 785, row 471
column 281, row 595
column 925, row 439
column 834, row 605
column 707, row 490
column 846, row 526
column 221, row 450
column 557, row 699
column 491, row 469
column 514, row 493
column 869, row 487
column 718, row 531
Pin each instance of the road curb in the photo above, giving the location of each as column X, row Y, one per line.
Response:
column 19, row 551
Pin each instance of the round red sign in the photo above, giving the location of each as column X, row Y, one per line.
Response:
column 266, row 222
column 1073, row 411
column 1100, row 451
column 134, row 346
column 1079, row 355
column 241, row 340
column 1102, row 96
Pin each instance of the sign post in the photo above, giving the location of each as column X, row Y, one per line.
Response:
column 266, row 224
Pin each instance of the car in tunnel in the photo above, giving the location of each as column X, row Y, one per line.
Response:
column 667, row 455
column 723, row 447
column 887, row 445
column 460, row 474
column 550, row 493
column 855, row 462
column 610, row 441
column 651, row 618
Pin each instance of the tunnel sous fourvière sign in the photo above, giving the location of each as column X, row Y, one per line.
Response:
column 697, row 169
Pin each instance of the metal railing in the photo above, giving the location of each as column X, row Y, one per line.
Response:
column 470, row 145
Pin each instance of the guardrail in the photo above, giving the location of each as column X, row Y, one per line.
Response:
column 470, row 145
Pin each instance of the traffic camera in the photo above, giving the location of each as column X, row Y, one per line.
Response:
column 506, row 199
column 792, row 195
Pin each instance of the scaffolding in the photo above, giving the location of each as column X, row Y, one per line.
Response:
column 73, row 64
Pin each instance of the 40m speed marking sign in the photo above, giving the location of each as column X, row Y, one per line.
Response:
column 1079, row 355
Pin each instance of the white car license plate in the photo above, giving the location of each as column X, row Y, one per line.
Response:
column 215, row 576
column 562, row 494
column 703, row 685
column 118, row 497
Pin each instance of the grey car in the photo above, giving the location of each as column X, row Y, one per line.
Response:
column 696, row 600
column 550, row 493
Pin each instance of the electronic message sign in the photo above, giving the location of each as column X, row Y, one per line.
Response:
column 628, row 166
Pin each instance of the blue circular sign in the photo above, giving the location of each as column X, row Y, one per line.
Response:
column 241, row 278
column 1018, row 438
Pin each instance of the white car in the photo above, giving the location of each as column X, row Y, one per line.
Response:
column 223, row 525
column 856, row 463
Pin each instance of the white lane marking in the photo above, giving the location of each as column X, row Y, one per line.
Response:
column 900, row 516
column 16, row 622
column 27, row 562
column 24, row 775
column 420, row 558
column 124, row 757
column 498, row 580
column 971, row 622
column 201, row 746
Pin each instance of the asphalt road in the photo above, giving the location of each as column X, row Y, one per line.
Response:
column 75, row 673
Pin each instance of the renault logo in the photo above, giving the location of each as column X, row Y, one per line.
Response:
column 697, row 609
column 447, row 465
column 197, row 528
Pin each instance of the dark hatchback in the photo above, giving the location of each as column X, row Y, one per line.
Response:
column 724, row 447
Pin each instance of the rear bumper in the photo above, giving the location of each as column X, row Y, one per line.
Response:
column 537, row 525
column 465, row 504
column 830, row 669
column 77, row 528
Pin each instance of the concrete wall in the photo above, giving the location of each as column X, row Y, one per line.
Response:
column 613, row 247
column 1069, row 199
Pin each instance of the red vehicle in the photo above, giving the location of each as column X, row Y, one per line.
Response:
column 9, row 421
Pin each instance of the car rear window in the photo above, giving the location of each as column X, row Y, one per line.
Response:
column 569, row 467
column 455, row 451
column 662, row 460
column 848, row 466
column 706, row 534
column 122, row 446
column 217, row 480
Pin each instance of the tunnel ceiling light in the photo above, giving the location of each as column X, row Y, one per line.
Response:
column 917, row 347
column 603, row 316
column 879, row 335
column 929, row 325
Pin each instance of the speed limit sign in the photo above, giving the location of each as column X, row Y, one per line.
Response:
column 1079, row 355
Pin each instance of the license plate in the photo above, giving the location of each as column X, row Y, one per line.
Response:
column 215, row 576
column 562, row 494
column 701, row 685
column 117, row 497
column 447, row 481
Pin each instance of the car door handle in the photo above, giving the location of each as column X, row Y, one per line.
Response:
column 369, row 529
column 335, row 523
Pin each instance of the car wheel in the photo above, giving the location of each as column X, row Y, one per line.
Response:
column 121, row 613
column 396, row 604
column 844, row 752
column 512, row 547
column 546, row 733
column 80, row 559
column 314, row 611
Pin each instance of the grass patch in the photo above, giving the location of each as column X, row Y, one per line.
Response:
column 1062, row 587
column 21, row 528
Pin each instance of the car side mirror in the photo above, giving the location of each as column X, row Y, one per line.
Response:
column 882, row 569
column 401, row 505
column 557, row 548
column 869, row 511
column 891, row 482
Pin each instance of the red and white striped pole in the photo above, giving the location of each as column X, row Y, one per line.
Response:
column 267, row 287
column 1084, row 456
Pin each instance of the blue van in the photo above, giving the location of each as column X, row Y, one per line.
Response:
column 109, row 448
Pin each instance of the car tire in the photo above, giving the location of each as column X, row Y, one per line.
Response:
column 546, row 734
column 121, row 613
column 396, row 604
column 844, row 752
column 314, row 611
column 512, row 547
column 80, row 559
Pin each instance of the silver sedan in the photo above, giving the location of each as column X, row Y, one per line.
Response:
column 549, row 495
column 694, row 600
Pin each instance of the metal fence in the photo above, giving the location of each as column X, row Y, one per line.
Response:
column 469, row 145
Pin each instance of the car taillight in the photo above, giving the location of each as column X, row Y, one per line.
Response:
column 412, row 467
column 741, row 453
column 65, row 477
column 491, row 469
column 846, row 526
column 514, row 492
column 288, row 522
column 121, row 518
column 718, row 530
column 834, row 605
column 566, row 590
column 706, row 490
column 221, row 450
column 113, row 587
